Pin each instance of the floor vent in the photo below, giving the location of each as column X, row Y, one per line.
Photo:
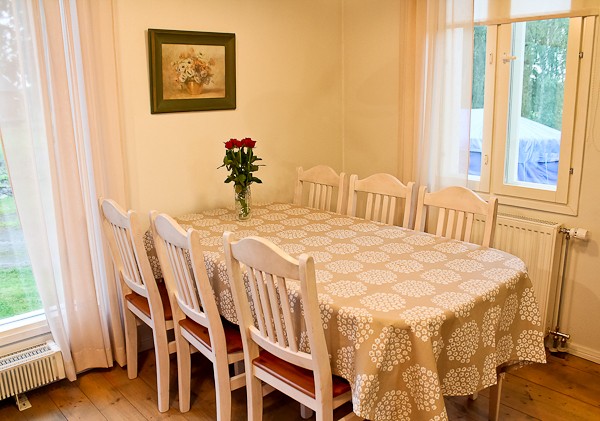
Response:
column 30, row 368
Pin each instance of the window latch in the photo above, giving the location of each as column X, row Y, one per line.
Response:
column 506, row 58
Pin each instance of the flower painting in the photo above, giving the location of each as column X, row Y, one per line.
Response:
column 191, row 71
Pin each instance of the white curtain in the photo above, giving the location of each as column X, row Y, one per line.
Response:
column 65, row 153
column 444, row 59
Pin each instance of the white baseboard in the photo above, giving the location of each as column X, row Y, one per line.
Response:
column 584, row 352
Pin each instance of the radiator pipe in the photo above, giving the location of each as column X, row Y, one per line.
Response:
column 560, row 338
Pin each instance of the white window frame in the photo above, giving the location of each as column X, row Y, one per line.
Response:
column 21, row 328
column 565, row 199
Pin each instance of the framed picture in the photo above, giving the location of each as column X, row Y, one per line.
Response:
column 191, row 71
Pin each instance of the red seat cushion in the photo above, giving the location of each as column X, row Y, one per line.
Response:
column 141, row 302
column 299, row 378
column 233, row 338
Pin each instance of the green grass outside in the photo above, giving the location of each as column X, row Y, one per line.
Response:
column 8, row 213
column 19, row 292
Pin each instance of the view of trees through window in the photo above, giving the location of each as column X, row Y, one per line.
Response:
column 544, row 70
column 479, row 44
column 18, row 291
column 538, row 73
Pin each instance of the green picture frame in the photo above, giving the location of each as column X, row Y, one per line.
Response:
column 191, row 71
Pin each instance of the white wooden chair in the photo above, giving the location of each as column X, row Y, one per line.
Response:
column 457, row 207
column 384, row 194
column 272, row 350
column 316, row 187
column 195, row 313
column 142, row 297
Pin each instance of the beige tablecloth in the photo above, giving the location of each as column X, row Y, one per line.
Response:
column 408, row 317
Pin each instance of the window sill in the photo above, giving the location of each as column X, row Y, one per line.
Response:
column 21, row 328
column 530, row 204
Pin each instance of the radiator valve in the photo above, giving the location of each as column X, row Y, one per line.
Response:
column 579, row 233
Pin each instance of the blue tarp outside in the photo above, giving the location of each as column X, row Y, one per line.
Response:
column 539, row 150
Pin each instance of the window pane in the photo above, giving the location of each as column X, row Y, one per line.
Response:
column 479, row 46
column 18, row 291
column 536, row 103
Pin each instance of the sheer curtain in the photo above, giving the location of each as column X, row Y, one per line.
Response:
column 65, row 152
column 440, row 38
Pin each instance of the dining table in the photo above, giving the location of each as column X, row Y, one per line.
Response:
column 408, row 317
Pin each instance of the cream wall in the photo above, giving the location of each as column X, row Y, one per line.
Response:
column 371, row 47
column 288, row 60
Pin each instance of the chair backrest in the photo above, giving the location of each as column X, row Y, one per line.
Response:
column 126, row 242
column 457, row 206
column 182, row 260
column 384, row 194
column 318, row 185
column 268, row 271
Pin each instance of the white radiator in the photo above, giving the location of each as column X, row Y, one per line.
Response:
column 539, row 244
column 30, row 368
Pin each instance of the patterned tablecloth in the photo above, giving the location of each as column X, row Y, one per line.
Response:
column 409, row 317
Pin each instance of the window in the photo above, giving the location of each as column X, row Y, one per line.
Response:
column 530, row 81
column 19, row 298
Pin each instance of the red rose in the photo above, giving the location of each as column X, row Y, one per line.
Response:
column 230, row 144
column 237, row 143
column 248, row 142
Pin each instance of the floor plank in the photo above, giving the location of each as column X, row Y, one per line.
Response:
column 556, row 375
column 463, row 408
column 566, row 388
column 544, row 403
column 42, row 406
column 107, row 398
column 73, row 403
column 567, row 360
column 141, row 396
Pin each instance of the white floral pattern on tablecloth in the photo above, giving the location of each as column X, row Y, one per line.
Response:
column 397, row 248
column 423, row 386
column 346, row 288
column 441, row 276
column 408, row 317
column 294, row 222
column 414, row 288
column 316, row 241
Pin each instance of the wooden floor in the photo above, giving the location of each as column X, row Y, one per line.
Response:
column 563, row 389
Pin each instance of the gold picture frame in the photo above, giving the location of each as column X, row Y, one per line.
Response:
column 191, row 71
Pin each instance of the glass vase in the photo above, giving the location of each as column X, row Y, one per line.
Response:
column 243, row 203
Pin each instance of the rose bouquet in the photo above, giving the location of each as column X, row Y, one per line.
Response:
column 240, row 161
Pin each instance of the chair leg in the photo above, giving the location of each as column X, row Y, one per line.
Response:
column 238, row 367
column 325, row 412
column 131, row 344
column 223, row 390
column 184, row 373
column 254, row 396
column 161, row 349
column 495, row 394
column 305, row 412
